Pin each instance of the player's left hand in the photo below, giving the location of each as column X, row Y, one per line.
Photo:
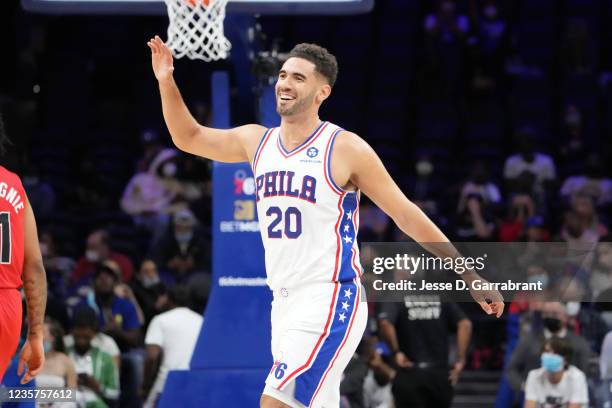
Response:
column 491, row 301
column 453, row 375
column 32, row 355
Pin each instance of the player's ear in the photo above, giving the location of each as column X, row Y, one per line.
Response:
column 324, row 93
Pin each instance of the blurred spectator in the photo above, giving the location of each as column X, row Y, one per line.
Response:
column 58, row 269
column 58, row 370
column 170, row 341
column 556, row 383
column 572, row 149
column 479, row 185
column 446, row 25
column 147, row 199
column 117, row 317
column 185, row 251
column 584, row 208
column 601, row 274
column 151, row 146
column 528, row 168
column 168, row 167
column 526, row 356
column 149, row 290
column 98, row 251
column 535, row 230
column 475, row 220
column 98, row 376
column 353, row 393
column 40, row 193
column 488, row 43
column 578, row 236
column 605, row 358
column 593, row 183
column 521, row 209
column 445, row 34
column 52, row 259
column 417, row 332
column 578, row 52
column 102, row 341
column 425, row 187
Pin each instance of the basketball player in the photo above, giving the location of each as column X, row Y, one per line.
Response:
column 308, row 176
column 20, row 265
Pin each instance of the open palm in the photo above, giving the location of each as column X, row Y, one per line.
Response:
column 161, row 59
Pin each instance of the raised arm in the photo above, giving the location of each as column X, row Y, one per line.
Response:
column 232, row 145
column 35, row 287
column 361, row 166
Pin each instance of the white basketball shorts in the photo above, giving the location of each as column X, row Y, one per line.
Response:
column 315, row 332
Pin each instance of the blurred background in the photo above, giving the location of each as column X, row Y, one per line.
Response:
column 495, row 117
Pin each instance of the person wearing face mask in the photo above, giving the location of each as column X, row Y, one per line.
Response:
column 556, row 383
column 59, row 370
column 150, row 290
column 526, row 355
column 147, row 198
column 184, row 253
column 98, row 251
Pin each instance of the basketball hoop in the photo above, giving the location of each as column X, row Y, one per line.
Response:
column 196, row 29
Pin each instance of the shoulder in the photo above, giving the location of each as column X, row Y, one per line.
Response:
column 535, row 375
column 251, row 133
column 576, row 373
column 350, row 143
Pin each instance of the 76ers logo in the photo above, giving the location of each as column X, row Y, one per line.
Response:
column 243, row 184
column 279, row 371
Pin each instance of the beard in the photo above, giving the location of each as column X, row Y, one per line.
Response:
column 299, row 105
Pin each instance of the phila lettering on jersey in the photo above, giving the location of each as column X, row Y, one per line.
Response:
column 308, row 224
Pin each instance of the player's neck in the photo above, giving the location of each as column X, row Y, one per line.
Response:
column 296, row 129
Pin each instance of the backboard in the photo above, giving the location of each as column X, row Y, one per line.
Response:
column 143, row 7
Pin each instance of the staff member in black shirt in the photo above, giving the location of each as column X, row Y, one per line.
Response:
column 417, row 332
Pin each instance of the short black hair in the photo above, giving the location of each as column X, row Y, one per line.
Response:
column 85, row 317
column 561, row 347
column 180, row 296
column 4, row 140
column 325, row 63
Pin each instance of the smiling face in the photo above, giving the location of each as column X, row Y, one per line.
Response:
column 299, row 88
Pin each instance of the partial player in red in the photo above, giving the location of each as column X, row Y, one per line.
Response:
column 21, row 265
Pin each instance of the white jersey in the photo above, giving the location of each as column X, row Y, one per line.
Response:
column 308, row 224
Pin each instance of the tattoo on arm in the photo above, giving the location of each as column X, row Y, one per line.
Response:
column 35, row 287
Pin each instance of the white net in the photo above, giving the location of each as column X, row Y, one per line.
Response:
column 196, row 29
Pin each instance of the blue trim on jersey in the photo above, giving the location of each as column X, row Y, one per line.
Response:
column 280, row 140
column 328, row 160
column 259, row 147
column 346, row 303
column 348, row 235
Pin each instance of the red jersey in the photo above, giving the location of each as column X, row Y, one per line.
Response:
column 12, row 215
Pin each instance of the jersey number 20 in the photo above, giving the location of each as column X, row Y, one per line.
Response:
column 293, row 222
column 5, row 239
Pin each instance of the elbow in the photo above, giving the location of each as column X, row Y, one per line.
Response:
column 184, row 140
